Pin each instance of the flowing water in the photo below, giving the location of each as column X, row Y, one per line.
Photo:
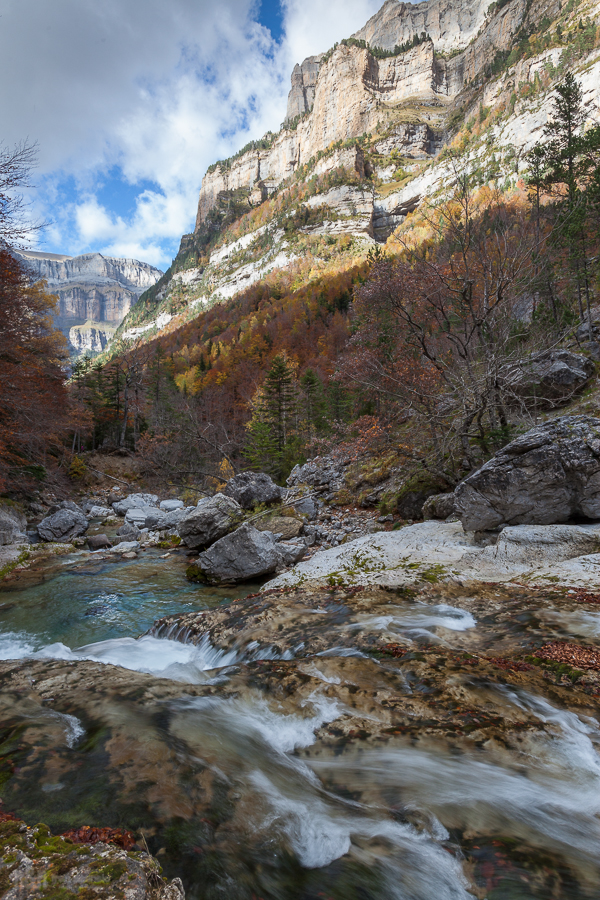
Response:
column 238, row 787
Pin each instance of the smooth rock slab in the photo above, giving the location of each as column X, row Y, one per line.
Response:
column 245, row 554
column 547, row 476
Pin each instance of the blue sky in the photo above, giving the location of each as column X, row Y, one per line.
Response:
column 131, row 100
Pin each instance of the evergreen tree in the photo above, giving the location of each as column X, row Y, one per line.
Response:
column 273, row 440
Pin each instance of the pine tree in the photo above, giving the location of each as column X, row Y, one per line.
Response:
column 273, row 439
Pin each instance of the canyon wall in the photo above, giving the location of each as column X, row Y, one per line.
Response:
column 95, row 293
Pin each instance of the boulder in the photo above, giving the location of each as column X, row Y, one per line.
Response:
column 247, row 553
column 12, row 525
column 137, row 515
column 126, row 547
column 547, row 476
column 129, row 530
column 133, row 501
column 251, row 489
column 440, row 506
column 323, row 473
column 170, row 505
column 306, row 507
column 98, row 542
column 291, row 552
column 209, row 521
column 99, row 512
column 555, row 375
column 286, row 526
column 63, row 525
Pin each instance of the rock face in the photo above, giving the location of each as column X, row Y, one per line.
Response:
column 63, row 525
column 549, row 475
column 247, row 553
column 12, row 525
column 250, row 489
column 302, row 93
column 210, row 520
column 95, row 293
column 323, row 473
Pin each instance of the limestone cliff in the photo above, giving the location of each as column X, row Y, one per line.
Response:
column 95, row 293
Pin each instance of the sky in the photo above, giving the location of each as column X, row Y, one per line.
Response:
column 130, row 101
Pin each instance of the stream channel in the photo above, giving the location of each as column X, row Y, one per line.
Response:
column 288, row 775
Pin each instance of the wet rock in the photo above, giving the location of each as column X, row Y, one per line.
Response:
column 285, row 526
column 555, row 375
column 251, row 489
column 36, row 864
column 63, row 525
column 98, row 542
column 12, row 525
column 548, row 475
column 439, row 506
column 247, row 553
column 212, row 519
column 133, row 501
column 126, row 547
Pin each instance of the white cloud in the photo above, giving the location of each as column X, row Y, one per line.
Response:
column 158, row 90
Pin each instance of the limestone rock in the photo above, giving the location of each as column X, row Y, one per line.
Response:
column 170, row 505
column 99, row 512
column 250, row 489
column 212, row 519
column 126, row 547
column 546, row 476
column 138, row 515
column 98, row 542
column 12, row 525
column 322, row 473
column 555, row 375
column 291, row 552
column 245, row 554
column 129, row 530
column 302, row 93
column 134, row 501
column 63, row 525
column 439, row 506
column 286, row 526
column 307, row 507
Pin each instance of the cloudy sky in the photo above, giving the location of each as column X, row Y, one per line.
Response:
column 131, row 100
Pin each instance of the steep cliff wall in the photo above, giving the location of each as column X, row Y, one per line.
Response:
column 302, row 93
column 95, row 293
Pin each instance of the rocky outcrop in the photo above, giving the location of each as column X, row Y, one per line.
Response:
column 554, row 376
column 548, row 475
column 63, row 525
column 302, row 93
column 245, row 554
column 250, row 489
column 212, row 519
column 95, row 293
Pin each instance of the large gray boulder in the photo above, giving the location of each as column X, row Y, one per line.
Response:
column 133, row 501
column 212, row 519
column 250, row 489
column 439, row 506
column 547, row 476
column 63, row 526
column 323, row 473
column 12, row 525
column 554, row 376
column 245, row 554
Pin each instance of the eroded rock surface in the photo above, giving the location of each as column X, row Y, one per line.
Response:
column 241, row 556
column 212, row 519
column 63, row 525
column 250, row 489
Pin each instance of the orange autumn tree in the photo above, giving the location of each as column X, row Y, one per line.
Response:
column 33, row 399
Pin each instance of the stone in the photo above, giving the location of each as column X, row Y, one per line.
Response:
column 138, row 515
column 323, row 473
column 170, row 505
column 208, row 522
column 126, row 547
column 439, row 506
column 99, row 512
column 250, row 489
column 291, row 552
column 129, row 530
column 98, row 542
column 555, row 375
column 134, row 501
column 12, row 525
column 286, row 526
column 410, row 504
column 306, row 507
column 245, row 554
column 547, row 476
column 63, row 525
